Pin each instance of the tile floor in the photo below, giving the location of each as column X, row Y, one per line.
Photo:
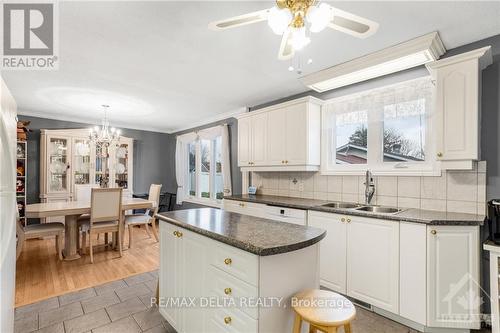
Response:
column 124, row 306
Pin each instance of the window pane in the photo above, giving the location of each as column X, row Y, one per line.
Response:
column 192, row 168
column 351, row 130
column 404, row 131
column 219, row 184
column 205, row 169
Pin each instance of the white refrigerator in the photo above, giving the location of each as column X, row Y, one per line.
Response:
column 8, row 124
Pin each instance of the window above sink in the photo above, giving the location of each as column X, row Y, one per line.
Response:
column 386, row 130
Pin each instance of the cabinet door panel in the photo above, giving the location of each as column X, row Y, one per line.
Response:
column 373, row 262
column 276, row 137
column 333, row 249
column 457, row 111
column 193, row 274
column 259, row 140
column 296, row 134
column 244, row 140
column 168, row 275
column 453, row 276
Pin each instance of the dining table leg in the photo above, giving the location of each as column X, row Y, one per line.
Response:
column 70, row 251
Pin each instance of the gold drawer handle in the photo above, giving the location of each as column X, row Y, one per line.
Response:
column 227, row 320
column 179, row 234
column 228, row 261
column 440, row 154
column 433, row 232
column 176, row 233
column 228, row 291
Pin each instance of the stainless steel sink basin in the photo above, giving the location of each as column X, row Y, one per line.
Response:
column 378, row 209
column 346, row 205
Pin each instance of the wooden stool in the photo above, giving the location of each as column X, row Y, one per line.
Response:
column 325, row 311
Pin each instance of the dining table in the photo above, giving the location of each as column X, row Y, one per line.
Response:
column 71, row 210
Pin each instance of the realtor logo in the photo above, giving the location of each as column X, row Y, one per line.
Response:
column 29, row 36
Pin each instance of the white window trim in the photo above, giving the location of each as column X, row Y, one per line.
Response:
column 430, row 167
column 206, row 134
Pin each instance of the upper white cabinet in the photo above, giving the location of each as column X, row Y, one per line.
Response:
column 458, row 105
column 281, row 137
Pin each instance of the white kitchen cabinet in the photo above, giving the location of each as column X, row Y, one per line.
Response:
column 283, row 137
column 244, row 141
column 413, row 271
column 276, row 136
column 192, row 265
column 373, row 261
column 333, row 249
column 457, row 106
column 245, row 208
column 170, row 279
column 453, row 272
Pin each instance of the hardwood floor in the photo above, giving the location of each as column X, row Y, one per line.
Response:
column 40, row 274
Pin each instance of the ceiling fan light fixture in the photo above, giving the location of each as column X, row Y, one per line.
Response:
column 279, row 19
column 299, row 39
column 319, row 17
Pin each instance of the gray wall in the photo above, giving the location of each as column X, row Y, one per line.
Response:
column 152, row 156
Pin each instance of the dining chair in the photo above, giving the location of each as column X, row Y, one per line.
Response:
column 105, row 216
column 82, row 193
column 39, row 230
column 148, row 217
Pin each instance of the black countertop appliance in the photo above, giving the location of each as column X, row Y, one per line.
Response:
column 494, row 220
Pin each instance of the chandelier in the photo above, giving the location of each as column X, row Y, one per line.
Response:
column 104, row 136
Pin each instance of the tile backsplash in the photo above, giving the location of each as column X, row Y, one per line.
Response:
column 453, row 191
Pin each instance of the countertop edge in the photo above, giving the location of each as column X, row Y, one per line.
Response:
column 262, row 252
column 392, row 217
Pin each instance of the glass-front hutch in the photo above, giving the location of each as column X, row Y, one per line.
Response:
column 68, row 158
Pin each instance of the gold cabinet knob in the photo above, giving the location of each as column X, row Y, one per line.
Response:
column 228, row 291
column 342, row 219
column 348, row 220
column 227, row 320
column 440, row 154
column 249, row 163
column 228, row 261
column 241, row 204
column 175, row 233
column 282, row 162
column 286, row 162
column 179, row 234
column 433, row 232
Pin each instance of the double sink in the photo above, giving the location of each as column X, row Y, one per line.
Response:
column 363, row 208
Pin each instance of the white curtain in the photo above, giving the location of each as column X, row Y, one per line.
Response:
column 180, row 167
column 226, row 162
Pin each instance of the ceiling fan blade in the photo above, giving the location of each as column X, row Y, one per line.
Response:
column 352, row 24
column 238, row 21
column 286, row 50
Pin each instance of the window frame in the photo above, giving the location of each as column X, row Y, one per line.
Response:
column 210, row 134
column 375, row 127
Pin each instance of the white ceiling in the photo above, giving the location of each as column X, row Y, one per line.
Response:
column 160, row 68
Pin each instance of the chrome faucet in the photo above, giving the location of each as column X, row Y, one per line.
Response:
column 369, row 187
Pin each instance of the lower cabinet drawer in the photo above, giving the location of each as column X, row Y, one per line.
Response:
column 230, row 321
column 223, row 285
column 241, row 264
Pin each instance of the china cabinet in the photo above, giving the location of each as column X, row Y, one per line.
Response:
column 21, row 167
column 68, row 158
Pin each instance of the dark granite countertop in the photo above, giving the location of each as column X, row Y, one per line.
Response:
column 408, row 215
column 252, row 234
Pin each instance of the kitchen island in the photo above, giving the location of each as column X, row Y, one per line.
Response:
column 227, row 272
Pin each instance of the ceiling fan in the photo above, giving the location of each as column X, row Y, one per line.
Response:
column 291, row 19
